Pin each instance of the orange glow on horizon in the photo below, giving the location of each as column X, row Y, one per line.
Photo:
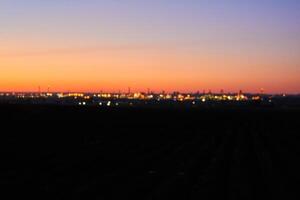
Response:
column 158, row 68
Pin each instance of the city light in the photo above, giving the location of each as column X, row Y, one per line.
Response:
column 137, row 98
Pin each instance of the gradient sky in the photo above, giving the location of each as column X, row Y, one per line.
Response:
column 185, row 45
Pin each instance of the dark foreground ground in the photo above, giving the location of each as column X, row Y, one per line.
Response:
column 54, row 152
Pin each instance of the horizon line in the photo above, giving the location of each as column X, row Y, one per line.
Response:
column 154, row 92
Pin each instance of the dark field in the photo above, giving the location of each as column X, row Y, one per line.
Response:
column 55, row 152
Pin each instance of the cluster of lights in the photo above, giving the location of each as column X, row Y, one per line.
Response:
column 256, row 98
column 238, row 97
column 75, row 95
column 7, row 94
column 108, row 103
column 114, row 99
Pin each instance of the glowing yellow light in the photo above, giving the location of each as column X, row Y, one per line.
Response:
column 256, row 98
column 168, row 96
column 150, row 96
column 136, row 95
column 60, row 95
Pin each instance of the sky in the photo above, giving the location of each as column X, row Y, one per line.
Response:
column 170, row 45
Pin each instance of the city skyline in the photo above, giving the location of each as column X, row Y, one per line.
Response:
column 93, row 46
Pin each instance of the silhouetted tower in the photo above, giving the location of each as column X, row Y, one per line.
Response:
column 129, row 90
column 240, row 92
column 39, row 90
